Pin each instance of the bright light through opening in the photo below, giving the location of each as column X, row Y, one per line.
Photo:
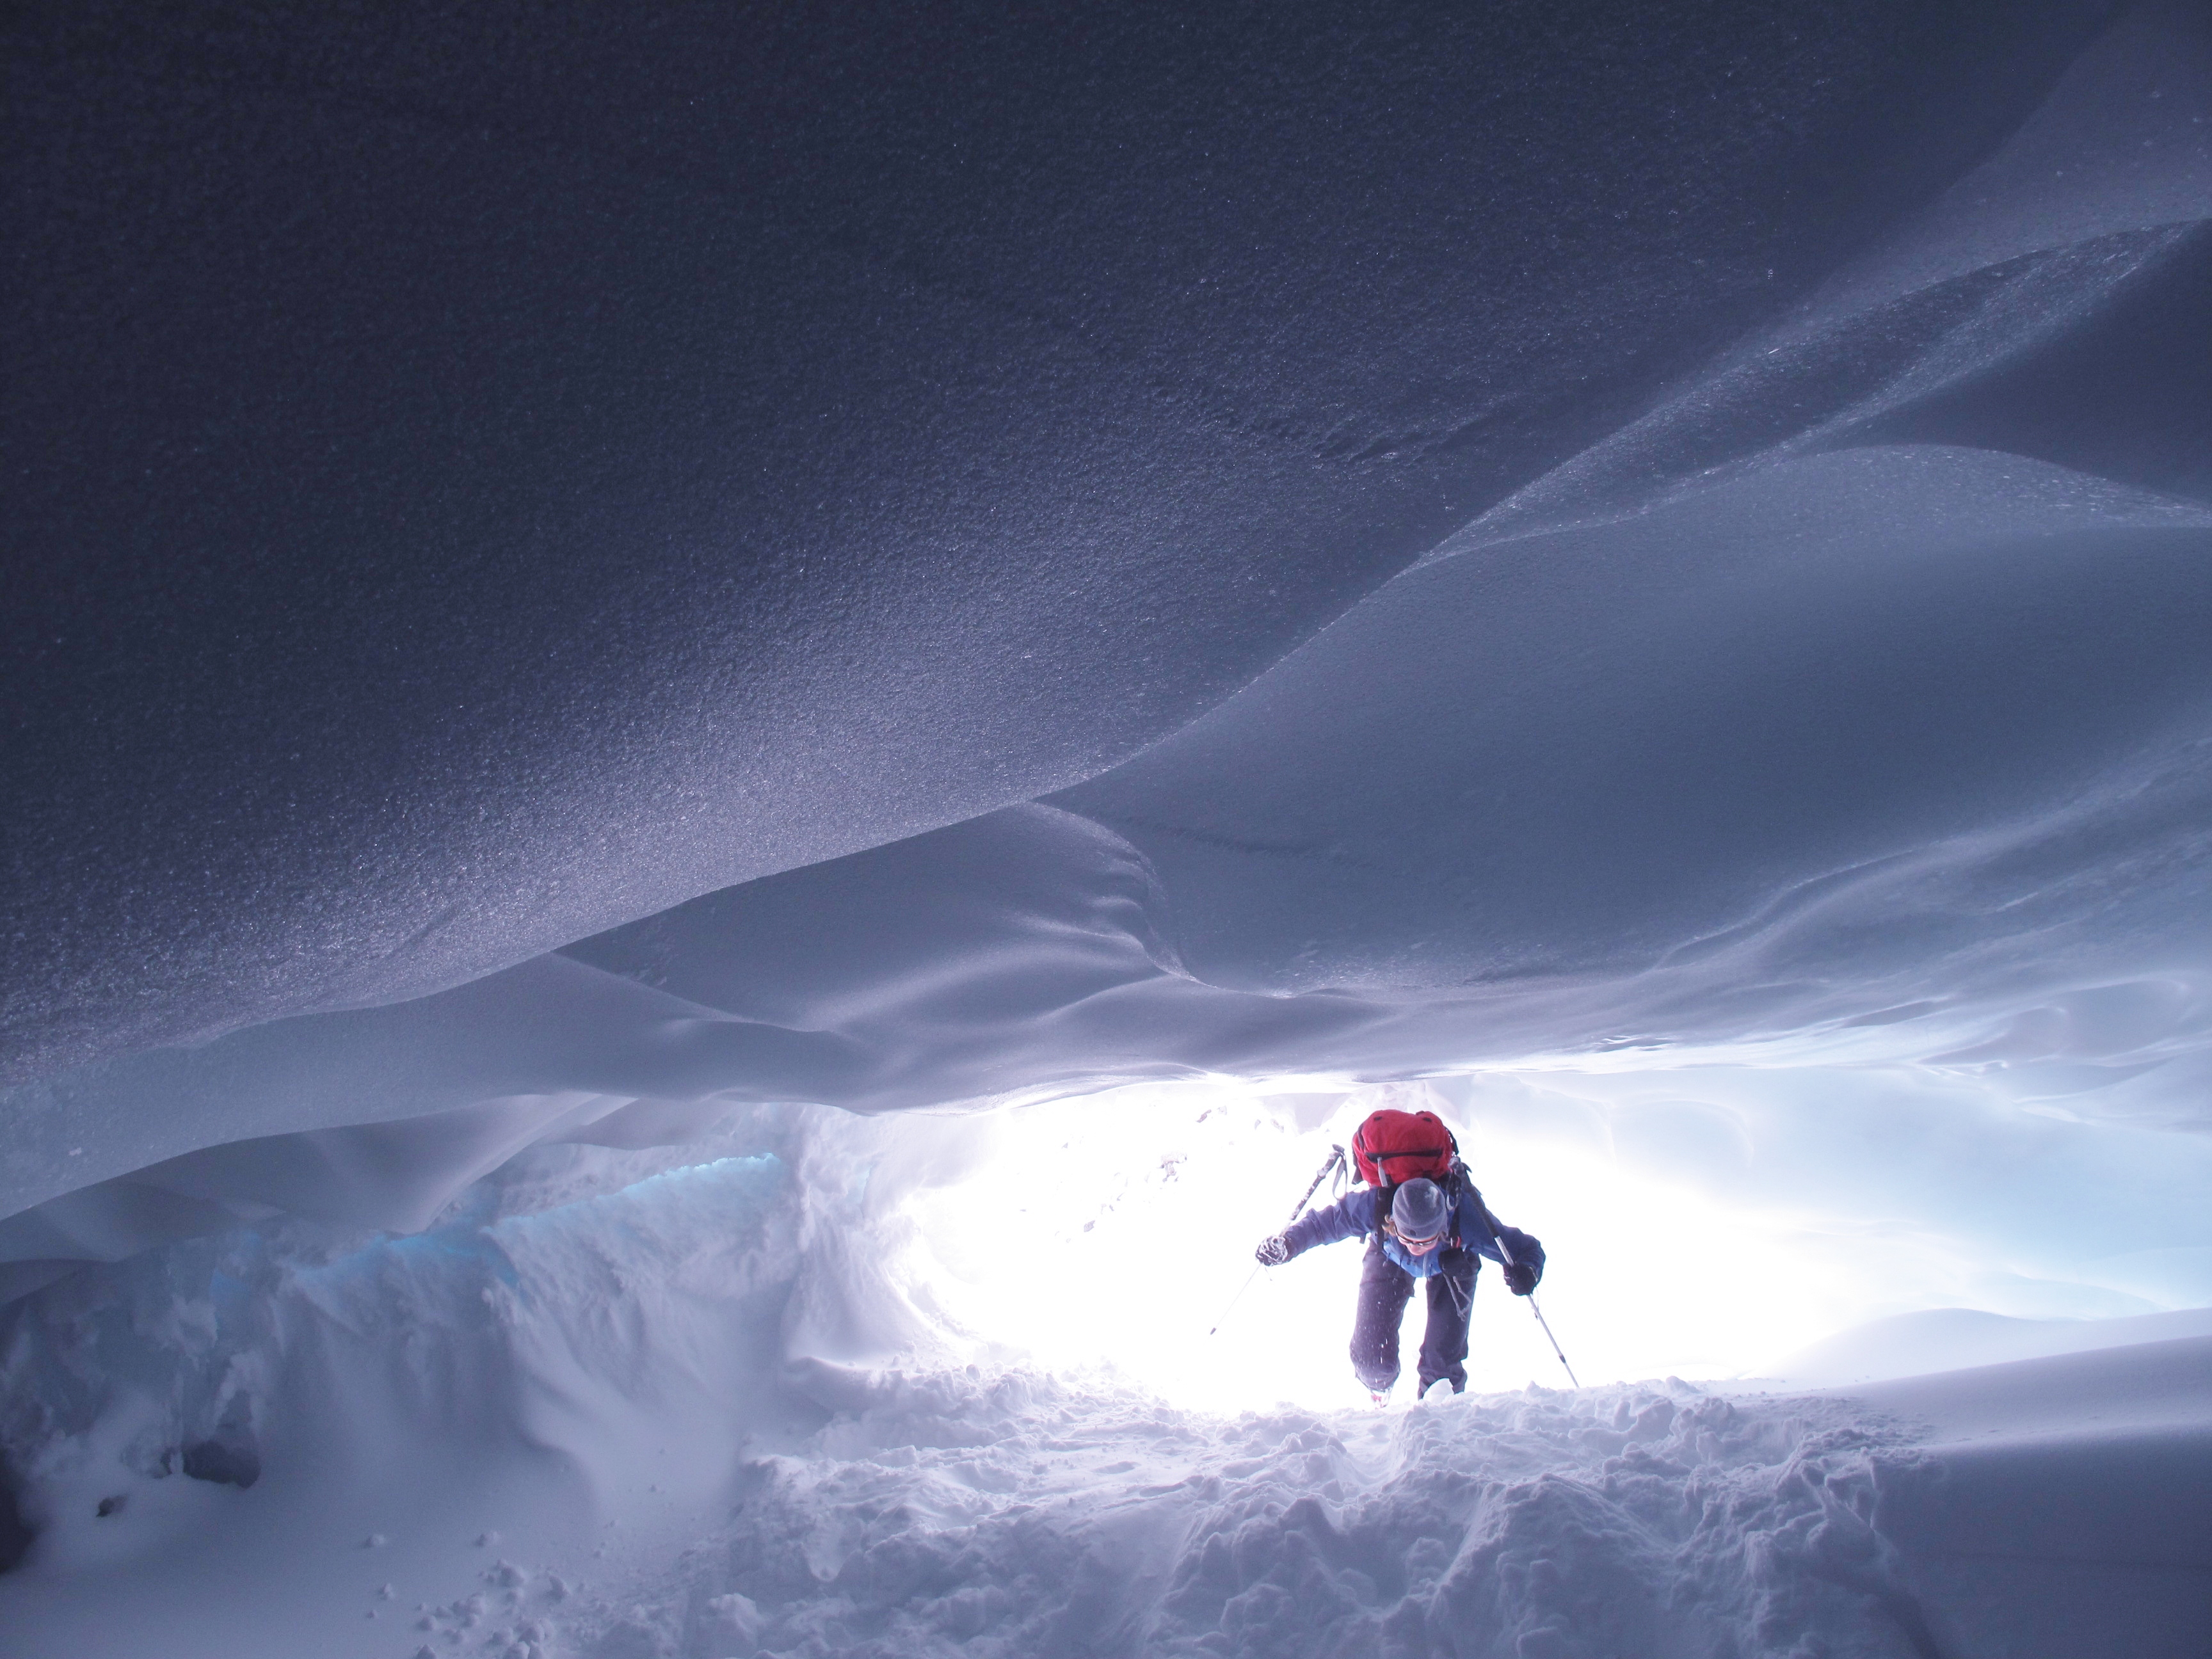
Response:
column 1114, row 1232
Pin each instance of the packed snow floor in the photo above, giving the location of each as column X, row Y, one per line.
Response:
column 581, row 1433
column 1012, row 1516
column 2059, row 1507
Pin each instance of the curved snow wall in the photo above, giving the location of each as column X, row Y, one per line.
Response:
column 1099, row 570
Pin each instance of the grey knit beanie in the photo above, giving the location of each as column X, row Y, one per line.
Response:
column 1418, row 1210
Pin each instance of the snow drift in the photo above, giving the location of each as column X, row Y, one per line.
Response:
column 1846, row 702
column 616, row 1425
column 583, row 587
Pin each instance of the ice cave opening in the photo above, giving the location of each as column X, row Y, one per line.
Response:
column 1712, row 1223
column 923, row 1381
column 729, row 733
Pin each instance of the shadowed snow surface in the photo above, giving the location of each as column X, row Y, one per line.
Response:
column 587, row 582
column 1820, row 683
column 492, row 476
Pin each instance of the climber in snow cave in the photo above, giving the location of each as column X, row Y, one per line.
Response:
column 1430, row 1231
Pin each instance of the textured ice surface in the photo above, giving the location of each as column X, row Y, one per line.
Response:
column 644, row 460
column 632, row 470
column 952, row 1516
column 1827, row 681
column 573, row 581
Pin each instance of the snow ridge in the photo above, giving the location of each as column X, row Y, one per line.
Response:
column 1016, row 1514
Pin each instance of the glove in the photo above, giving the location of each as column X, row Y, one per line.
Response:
column 1527, row 1261
column 1273, row 1251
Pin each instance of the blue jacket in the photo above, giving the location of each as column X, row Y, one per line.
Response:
column 1359, row 1213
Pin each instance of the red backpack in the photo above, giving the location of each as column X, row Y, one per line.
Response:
column 1392, row 1147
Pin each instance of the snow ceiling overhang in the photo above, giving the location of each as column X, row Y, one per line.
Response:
column 568, row 570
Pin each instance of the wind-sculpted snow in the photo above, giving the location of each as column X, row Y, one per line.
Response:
column 648, row 461
column 1772, row 627
column 618, row 1426
column 944, row 1515
column 588, row 585
column 1023, row 956
column 1743, row 712
column 490, row 477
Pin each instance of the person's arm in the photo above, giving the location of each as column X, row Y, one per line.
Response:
column 1348, row 1217
column 1483, row 1232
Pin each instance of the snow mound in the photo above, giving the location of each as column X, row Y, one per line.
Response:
column 1954, row 1339
column 643, row 1424
column 1015, row 1515
column 1019, row 1516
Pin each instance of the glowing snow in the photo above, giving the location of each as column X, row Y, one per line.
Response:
column 621, row 1425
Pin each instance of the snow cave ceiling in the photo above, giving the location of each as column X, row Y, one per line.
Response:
column 566, row 569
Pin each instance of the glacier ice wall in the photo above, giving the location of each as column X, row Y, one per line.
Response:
column 490, row 480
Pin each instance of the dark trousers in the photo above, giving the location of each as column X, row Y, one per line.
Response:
column 1384, row 1289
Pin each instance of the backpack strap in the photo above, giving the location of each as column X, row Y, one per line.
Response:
column 1457, row 1183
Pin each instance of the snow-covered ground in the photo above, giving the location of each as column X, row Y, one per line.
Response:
column 2047, row 1508
column 2053, row 1507
column 755, row 1407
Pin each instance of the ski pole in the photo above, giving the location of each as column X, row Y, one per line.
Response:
column 1497, row 1238
column 1334, row 1160
column 1553, row 1340
column 1234, row 1300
